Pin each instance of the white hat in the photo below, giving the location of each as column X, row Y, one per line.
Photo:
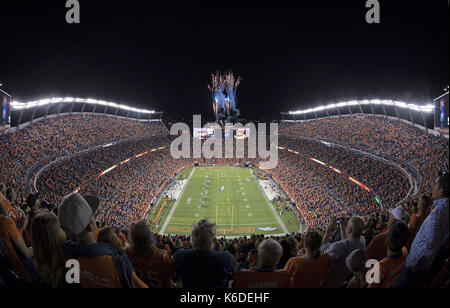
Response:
column 399, row 213
column 76, row 212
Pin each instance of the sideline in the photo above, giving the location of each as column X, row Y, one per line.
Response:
column 285, row 230
column 169, row 217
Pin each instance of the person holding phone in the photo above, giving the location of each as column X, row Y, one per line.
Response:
column 351, row 240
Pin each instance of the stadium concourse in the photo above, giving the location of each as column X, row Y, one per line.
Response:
column 366, row 188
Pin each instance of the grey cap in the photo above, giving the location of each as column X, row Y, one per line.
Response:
column 76, row 213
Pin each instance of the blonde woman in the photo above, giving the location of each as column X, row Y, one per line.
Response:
column 153, row 265
column 47, row 239
column 108, row 235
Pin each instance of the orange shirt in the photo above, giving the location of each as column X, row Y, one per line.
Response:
column 9, row 209
column 254, row 258
column 390, row 270
column 96, row 232
column 308, row 274
column 8, row 235
column 377, row 248
column 123, row 239
column 187, row 244
column 100, row 272
column 167, row 248
column 253, row 279
column 155, row 269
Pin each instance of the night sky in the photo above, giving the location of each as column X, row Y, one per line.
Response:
column 160, row 54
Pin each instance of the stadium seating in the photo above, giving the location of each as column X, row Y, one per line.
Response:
column 49, row 138
column 424, row 152
column 77, row 149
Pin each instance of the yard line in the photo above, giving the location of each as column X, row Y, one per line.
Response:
column 169, row 217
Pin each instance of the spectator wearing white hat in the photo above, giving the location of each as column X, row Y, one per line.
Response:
column 378, row 247
column 101, row 265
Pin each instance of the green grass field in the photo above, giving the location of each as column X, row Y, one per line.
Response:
column 241, row 209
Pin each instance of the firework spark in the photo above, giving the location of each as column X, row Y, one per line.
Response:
column 223, row 89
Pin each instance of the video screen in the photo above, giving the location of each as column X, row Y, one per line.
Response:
column 441, row 117
column 237, row 133
column 5, row 110
column 204, row 133
column 242, row 133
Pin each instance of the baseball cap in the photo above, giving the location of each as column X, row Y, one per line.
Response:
column 399, row 213
column 76, row 212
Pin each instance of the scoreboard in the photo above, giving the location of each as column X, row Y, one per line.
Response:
column 210, row 133
column 240, row 133
column 5, row 110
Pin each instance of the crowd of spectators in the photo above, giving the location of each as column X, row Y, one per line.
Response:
column 346, row 225
column 321, row 192
column 139, row 180
column 425, row 152
column 127, row 192
column 63, row 178
column 409, row 246
column 21, row 150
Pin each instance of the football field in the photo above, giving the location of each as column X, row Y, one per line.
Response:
column 232, row 199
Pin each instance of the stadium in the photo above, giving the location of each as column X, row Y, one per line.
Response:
column 369, row 164
column 92, row 195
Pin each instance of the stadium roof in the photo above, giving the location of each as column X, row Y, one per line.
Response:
column 20, row 106
column 415, row 114
column 420, row 108
column 24, row 114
